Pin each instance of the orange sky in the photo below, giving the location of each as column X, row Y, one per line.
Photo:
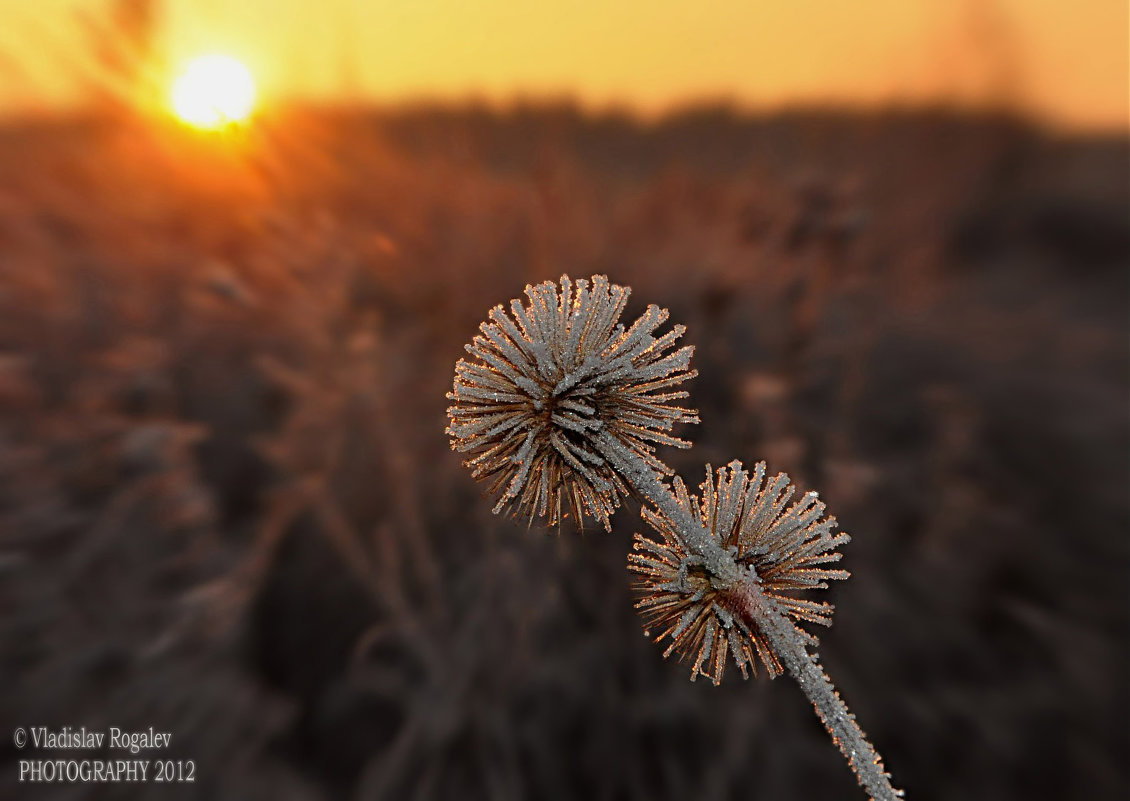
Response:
column 1068, row 62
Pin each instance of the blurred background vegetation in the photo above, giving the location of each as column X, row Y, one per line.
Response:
column 228, row 509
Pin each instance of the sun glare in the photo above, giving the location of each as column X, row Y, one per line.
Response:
column 213, row 91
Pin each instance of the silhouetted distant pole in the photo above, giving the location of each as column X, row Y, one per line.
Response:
column 350, row 76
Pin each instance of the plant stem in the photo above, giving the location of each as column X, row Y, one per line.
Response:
column 760, row 610
column 643, row 479
column 761, row 613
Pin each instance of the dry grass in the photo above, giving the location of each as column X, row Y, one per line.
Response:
column 228, row 508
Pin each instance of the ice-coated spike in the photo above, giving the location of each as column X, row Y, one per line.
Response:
column 561, row 364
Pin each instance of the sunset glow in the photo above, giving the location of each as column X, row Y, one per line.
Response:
column 213, row 91
column 1062, row 64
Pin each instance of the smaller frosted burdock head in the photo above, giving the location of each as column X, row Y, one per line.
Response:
column 789, row 549
column 549, row 382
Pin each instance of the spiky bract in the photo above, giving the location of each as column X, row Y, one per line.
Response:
column 546, row 379
column 788, row 549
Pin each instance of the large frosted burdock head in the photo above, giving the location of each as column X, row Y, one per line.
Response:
column 551, row 381
column 789, row 548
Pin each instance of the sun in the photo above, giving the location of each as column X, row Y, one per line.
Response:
column 213, row 91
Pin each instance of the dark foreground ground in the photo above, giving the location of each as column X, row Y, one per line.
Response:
column 228, row 509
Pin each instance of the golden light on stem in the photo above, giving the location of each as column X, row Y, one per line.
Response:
column 213, row 91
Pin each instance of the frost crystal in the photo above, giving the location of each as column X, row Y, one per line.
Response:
column 548, row 380
column 783, row 550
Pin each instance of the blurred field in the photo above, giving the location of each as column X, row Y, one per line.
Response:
column 228, row 508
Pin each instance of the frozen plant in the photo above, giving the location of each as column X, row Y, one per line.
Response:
column 561, row 405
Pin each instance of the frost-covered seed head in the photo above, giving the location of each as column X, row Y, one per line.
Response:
column 789, row 550
column 546, row 379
